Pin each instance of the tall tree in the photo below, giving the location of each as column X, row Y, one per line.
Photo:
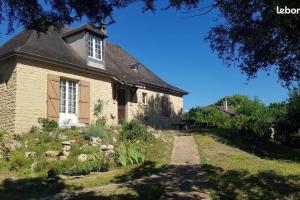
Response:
column 254, row 37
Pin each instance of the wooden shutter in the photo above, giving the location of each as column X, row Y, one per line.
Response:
column 84, row 102
column 53, row 97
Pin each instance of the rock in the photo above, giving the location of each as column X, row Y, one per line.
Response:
column 66, row 143
column 82, row 158
column 29, row 154
column 66, row 148
column 65, row 153
column 157, row 136
column 103, row 147
column 95, row 141
column 52, row 154
column 62, row 157
column 108, row 153
column 106, row 147
column 11, row 144
column 33, row 167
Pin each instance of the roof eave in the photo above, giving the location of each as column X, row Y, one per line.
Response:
column 166, row 89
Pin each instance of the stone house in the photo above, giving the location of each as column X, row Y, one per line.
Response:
column 61, row 74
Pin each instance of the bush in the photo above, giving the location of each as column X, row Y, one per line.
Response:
column 79, row 168
column 48, row 125
column 98, row 109
column 135, row 130
column 207, row 117
column 95, row 130
column 18, row 160
column 130, row 153
column 254, row 118
column 34, row 129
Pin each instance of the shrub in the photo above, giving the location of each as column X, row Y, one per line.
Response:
column 98, row 109
column 255, row 118
column 34, row 129
column 207, row 117
column 48, row 125
column 95, row 130
column 79, row 168
column 135, row 130
column 18, row 160
column 130, row 153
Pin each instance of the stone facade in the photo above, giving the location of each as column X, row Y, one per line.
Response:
column 8, row 95
column 23, row 99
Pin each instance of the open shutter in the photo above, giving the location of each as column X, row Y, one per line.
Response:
column 53, row 97
column 84, row 102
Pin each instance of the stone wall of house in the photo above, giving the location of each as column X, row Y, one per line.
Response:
column 151, row 111
column 7, row 95
column 31, row 93
column 23, row 96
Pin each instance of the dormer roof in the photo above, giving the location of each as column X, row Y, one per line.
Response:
column 87, row 27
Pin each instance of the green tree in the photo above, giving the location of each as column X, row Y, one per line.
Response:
column 207, row 117
column 288, row 127
column 233, row 101
column 254, row 118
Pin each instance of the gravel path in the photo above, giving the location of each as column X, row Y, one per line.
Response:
column 185, row 151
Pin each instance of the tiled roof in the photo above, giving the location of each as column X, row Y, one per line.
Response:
column 118, row 62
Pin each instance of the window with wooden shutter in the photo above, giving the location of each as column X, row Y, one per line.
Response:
column 84, row 102
column 53, row 97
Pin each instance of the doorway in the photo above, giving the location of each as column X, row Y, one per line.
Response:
column 121, row 105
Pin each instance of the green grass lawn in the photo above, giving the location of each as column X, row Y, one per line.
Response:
column 240, row 167
column 20, row 185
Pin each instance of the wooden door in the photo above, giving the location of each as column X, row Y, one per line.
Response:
column 121, row 105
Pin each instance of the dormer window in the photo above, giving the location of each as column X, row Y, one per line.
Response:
column 95, row 47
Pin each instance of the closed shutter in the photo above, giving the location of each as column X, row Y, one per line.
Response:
column 84, row 102
column 53, row 97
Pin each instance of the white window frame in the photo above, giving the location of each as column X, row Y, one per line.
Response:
column 67, row 98
column 93, row 38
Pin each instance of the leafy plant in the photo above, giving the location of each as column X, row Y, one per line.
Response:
column 135, row 130
column 130, row 153
column 95, row 130
column 98, row 109
column 18, row 160
column 79, row 168
column 48, row 125
column 34, row 129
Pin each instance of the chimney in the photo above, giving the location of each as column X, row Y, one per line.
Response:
column 225, row 106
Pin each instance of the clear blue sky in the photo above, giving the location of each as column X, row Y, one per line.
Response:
column 174, row 48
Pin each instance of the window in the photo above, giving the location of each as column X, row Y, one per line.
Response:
column 165, row 106
column 95, row 47
column 68, row 96
column 144, row 99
